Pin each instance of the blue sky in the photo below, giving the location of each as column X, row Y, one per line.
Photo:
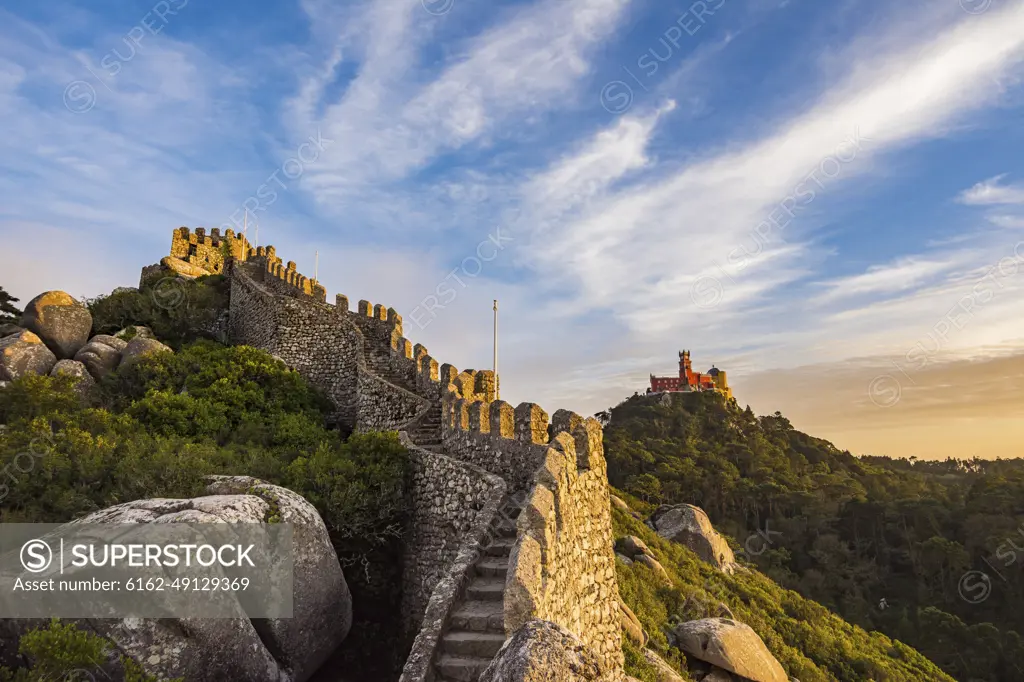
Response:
column 800, row 192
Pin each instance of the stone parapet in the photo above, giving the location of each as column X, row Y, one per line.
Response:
column 562, row 567
column 454, row 504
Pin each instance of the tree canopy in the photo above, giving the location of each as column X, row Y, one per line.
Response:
column 8, row 313
column 922, row 551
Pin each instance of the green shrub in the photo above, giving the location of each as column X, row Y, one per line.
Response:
column 63, row 652
column 158, row 427
column 175, row 309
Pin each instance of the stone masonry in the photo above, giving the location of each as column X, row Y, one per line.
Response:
column 511, row 519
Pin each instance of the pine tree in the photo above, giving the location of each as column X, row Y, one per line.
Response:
column 8, row 313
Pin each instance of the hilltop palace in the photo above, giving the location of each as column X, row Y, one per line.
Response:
column 688, row 380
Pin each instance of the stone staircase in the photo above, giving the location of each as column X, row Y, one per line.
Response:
column 476, row 628
column 427, row 433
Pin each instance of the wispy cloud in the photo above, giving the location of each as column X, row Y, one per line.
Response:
column 524, row 65
column 904, row 274
column 994, row 192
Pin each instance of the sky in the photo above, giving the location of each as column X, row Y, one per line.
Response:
column 825, row 199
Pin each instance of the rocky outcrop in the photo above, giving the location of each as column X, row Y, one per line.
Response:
column 183, row 268
column 112, row 341
column 689, row 525
column 62, row 322
column 99, row 358
column 619, row 503
column 633, row 549
column 215, row 650
column 83, row 380
column 322, row 609
column 729, row 645
column 141, row 347
column 631, row 626
column 24, row 353
column 541, row 651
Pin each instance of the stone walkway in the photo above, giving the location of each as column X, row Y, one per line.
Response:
column 476, row 629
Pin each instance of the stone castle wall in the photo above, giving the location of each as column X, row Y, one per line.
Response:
column 562, row 566
column 508, row 442
column 453, row 505
column 207, row 251
column 321, row 343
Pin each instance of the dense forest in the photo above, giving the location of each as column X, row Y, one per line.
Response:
column 925, row 552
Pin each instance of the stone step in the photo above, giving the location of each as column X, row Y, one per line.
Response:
column 461, row 668
column 484, row 589
column 500, row 546
column 494, row 567
column 475, row 644
column 479, row 616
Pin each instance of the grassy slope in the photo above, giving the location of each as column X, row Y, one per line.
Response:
column 811, row 643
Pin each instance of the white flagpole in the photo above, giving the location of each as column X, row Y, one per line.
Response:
column 316, row 269
column 497, row 383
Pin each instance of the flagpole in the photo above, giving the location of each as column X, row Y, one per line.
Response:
column 316, row 269
column 497, row 383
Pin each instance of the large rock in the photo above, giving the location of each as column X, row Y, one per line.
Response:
column 141, row 347
column 636, row 550
column 619, row 503
column 631, row 546
column 655, row 565
column 99, row 358
column 219, row 649
column 322, row 603
column 108, row 340
column 83, row 380
column 62, row 322
column 541, row 651
column 689, row 525
column 730, row 645
column 22, row 354
column 631, row 626
column 665, row 672
column 184, row 268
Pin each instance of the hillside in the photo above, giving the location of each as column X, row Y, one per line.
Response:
column 156, row 426
column 902, row 547
column 812, row 644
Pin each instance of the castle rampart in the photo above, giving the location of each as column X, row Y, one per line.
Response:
column 561, row 566
column 322, row 344
column 453, row 506
column 209, row 252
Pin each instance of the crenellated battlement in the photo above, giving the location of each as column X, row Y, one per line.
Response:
column 468, row 448
column 210, row 252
